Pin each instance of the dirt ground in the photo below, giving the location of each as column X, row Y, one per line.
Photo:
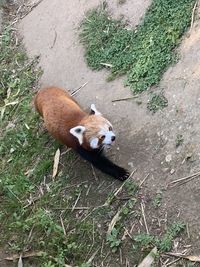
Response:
column 144, row 141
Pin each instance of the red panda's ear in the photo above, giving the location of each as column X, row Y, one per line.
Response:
column 94, row 110
column 78, row 133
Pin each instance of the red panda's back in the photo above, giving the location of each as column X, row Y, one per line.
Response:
column 60, row 113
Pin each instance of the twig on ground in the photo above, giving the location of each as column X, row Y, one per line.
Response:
column 144, row 180
column 120, row 255
column 32, row 7
column 187, row 229
column 65, row 152
column 24, row 255
column 184, row 179
column 20, row 262
column 126, row 232
column 124, row 99
column 120, row 188
column 191, row 258
column 144, row 218
column 172, row 262
column 127, row 263
column 102, row 263
column 92, row 257
column 78, row 89
column 193, row 14
column 149, row 259
column 73, row 208
column 88, row 190
column 132, row 226
column 76, row 208
column 113, row 222
column 56, row 163
column 54, row 40
column 62, row 223
column 94, row 174
column 102, row 246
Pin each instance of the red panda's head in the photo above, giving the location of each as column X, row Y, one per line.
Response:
column 94, row 131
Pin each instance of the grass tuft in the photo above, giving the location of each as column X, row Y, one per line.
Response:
column 144, row 53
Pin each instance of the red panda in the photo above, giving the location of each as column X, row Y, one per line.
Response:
column 85, row 133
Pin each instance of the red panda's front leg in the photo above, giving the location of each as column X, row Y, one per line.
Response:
column 104, row 164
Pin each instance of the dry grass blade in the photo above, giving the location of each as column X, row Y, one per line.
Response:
column 73, row 208
column 31, row 8
column 193, row 14
column 24, row 255
column 113, row 222
column 184, row 179
column 92, row 257
column 78, row 89
column 94, row 173
column 144, row 218
column 191, row 258
column 125, row 99
column 107, row 65
column 172, row 262
column 120, row 188
column 149, row 259
column 20, row 262
column 144, row 180
column 63, row 226
column 56, row 163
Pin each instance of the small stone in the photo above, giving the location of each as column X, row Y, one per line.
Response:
column 117, row 148
column 12, row 150
column 130, row 164
column 168, row 158
column 172, row 171
column 165, row 169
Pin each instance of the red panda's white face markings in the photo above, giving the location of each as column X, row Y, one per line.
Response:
column 98, row 132
column 106, row 134
column 94, row 130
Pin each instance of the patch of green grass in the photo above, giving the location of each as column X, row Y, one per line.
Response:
column 144, row 53
column 179, row 140
column 157, row 102
column 164, row 244
column 114, row 240
column 31, row 203
column 157, row 200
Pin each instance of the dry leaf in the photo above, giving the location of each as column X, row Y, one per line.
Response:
column 2, row 111
column 149, row 259
column 12, row 103
column 56, row 162
column 113, row 222
column 20, row 263
column 193, row 258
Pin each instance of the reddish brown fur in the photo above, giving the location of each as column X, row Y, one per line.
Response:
column 61, row 113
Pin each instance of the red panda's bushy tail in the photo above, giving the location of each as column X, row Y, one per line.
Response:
column 102, row 163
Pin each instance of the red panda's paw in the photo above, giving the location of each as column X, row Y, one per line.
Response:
column 123, row 174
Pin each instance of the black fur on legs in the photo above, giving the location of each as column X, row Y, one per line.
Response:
column 102, row 163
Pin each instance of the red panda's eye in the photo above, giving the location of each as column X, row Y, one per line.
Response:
column 102, row 137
